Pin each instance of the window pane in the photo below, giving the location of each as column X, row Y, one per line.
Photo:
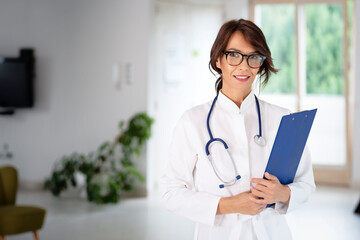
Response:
column 277, row 21
column 324, row 49
column 327, row 139
column 325, row 82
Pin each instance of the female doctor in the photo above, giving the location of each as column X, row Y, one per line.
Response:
column 220, row 149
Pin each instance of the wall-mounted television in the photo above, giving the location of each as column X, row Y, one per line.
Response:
column 17, row 76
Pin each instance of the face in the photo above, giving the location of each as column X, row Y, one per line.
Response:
column 237, row 79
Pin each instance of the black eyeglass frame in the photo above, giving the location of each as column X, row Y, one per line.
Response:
column 242, row 59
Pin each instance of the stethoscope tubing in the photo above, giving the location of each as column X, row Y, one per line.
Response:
column 212, row 139
column 225, row 183
column 259, row 115
column 208, row 117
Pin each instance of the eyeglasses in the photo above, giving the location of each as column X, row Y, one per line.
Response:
column 236, row 58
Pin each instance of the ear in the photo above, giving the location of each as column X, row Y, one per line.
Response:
column 218, row 63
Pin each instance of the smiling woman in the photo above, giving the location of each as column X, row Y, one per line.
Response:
column 215, row 170
column 251, row 39
column 236, row 74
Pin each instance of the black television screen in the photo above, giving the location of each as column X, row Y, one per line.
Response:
column 16, row 81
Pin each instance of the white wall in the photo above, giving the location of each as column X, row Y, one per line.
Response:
column 356, row 133
column 77, row 105
column 236, row 9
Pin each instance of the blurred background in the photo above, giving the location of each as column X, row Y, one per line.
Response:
column 100, row 62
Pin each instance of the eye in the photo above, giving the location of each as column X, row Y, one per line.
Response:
column 234, row 54
column 255, row 57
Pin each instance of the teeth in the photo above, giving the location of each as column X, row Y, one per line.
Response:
column 242, row 77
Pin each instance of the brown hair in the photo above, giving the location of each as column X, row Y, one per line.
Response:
column 256, row 38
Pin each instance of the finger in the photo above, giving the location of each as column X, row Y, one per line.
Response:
column 259, row 181
column 258, row 201
column 258, row 211
column 262, row 207
column 262, row 188
column 271, row 177
column 257, row 193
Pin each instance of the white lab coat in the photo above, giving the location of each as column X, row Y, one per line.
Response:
column 191, row 189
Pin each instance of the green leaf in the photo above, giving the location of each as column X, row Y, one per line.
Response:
column 103, row 146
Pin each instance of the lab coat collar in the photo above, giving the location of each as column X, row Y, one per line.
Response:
column 230, row 106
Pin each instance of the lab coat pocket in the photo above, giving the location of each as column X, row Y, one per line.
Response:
column 204, row 177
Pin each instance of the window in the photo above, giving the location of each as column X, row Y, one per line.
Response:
column 307, row 40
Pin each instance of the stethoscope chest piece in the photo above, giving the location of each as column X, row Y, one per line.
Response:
column 259, row 140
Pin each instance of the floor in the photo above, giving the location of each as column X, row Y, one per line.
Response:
column 328, row 215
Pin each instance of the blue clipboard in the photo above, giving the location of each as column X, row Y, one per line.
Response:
column 289, row 145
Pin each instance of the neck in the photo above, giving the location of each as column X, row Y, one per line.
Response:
column 235, row 95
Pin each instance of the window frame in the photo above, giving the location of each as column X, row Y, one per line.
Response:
column 334, row 175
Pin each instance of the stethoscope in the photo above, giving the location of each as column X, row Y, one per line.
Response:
column 258, row 139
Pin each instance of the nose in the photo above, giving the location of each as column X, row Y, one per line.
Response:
column 244, row 64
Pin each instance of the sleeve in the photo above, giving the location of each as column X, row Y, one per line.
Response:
column 302, row 186
column 177, row 185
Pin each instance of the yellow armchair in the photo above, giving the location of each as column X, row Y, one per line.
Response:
column 16, row 219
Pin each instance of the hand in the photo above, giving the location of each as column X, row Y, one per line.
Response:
column 240, row 203
column 269, row 190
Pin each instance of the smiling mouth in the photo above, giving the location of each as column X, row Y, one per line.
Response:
column 242, row 78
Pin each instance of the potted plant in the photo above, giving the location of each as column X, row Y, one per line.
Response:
column 108, row 171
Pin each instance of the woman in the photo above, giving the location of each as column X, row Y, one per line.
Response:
column 204, row 189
